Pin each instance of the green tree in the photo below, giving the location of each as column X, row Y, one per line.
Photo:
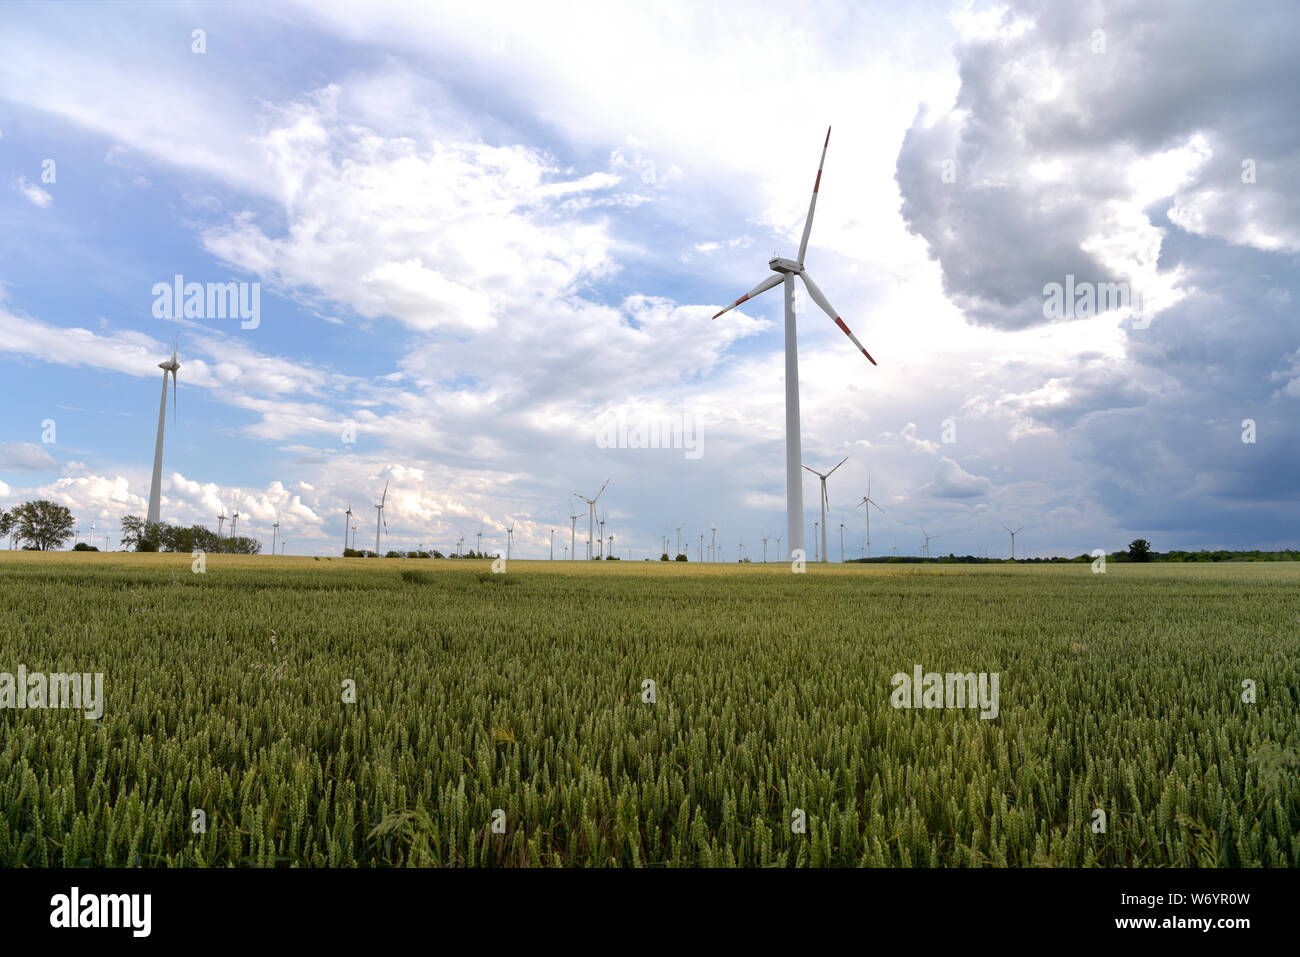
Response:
column 1139, row 550
column 43, row 524
column 6, row 523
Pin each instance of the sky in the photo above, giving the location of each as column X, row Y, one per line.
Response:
column 481, row 234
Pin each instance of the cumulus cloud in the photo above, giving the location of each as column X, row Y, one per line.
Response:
column 952, row 481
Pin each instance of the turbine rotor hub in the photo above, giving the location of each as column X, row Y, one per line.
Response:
column 782, row 265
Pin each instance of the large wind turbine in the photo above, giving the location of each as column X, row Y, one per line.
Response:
column 825, row 502
column 379, row 518
column 679, row 537
column 786, row 270
column 1013, row 540
column 170, row 366
column 867, row 504
column 591, row 516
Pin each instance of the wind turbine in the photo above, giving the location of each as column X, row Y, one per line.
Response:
column 510, row 539
column 478, row 537
column 552, row 544
column 1013, row 540
column 816, row 558
column 234, row 520
column 841, row 539
column 591, row 516
column 713, row 545
column 764, row 549
column 169, row 367
column 825, row 502
column 867, row 504
column 928, row 539
column 786, row 270
column 679, row 537
column 601, row 539
column 573, row 533
column 379, row 518
column 275, row 533
column 346, row 522
column 221, row 521
column 459, row 542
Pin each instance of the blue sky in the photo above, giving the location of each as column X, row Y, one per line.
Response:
column 478, row 232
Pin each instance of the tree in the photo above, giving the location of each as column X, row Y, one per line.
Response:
column 6, row 523
column 44, row 524
column 1139, row 550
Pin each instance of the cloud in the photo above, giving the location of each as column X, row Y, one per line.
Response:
column 33, row 193
column 952, row 481
column 25, row 457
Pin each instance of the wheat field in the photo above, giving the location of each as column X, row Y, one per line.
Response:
column 506, row 720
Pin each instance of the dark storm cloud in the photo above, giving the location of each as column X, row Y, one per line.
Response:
column 1049, row 139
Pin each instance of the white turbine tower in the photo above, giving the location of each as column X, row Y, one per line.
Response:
column 591, row 516
column 573, row 533
column 764, row 537
column 379, row 519
column 221, row 521
column 346, row 522
column 169, row 367
column 552, row 544
column 275, row 533
column 825, row 502
column 867, row 504
column 713, row 544
column 679, row 537
column 1013, row 540
column 786, row 270
column 510, row 539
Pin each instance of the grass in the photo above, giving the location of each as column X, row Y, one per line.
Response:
column 524, row 692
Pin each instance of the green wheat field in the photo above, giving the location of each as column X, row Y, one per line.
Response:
column 500, row 719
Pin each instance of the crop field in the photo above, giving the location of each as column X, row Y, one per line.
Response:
column 647, row 714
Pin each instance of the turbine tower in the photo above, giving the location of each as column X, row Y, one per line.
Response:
column 169, row 367
column 346, row 522
column 786, row 270
column 1013, row 540
column 275, row 533
column 928, row 539
column 379, row 518
column 510, row 539
column 573, row 533
column 867, row 504
column 679, row 537
column 825, row 502
column 221, row 521
column 591, row 516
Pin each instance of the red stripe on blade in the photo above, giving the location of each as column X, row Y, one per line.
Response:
column 819, row 181
column 840, row 322
column 868, row 355
column 828, row 138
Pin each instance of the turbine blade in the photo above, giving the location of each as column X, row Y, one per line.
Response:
column 773, row 280
column 812, row 204
column 877, row 508
column 832, row 471
column 821, row 300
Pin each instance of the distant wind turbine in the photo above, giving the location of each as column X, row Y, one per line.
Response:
column 825, row 502
column 591, row 516
column 346, row 523
column 1013, row 540
column 786, row 270
column 867, row 504
column 379, row 519
column 679, row 538
column 221, row 521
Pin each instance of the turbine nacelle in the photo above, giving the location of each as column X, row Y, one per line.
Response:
column 783, row 265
